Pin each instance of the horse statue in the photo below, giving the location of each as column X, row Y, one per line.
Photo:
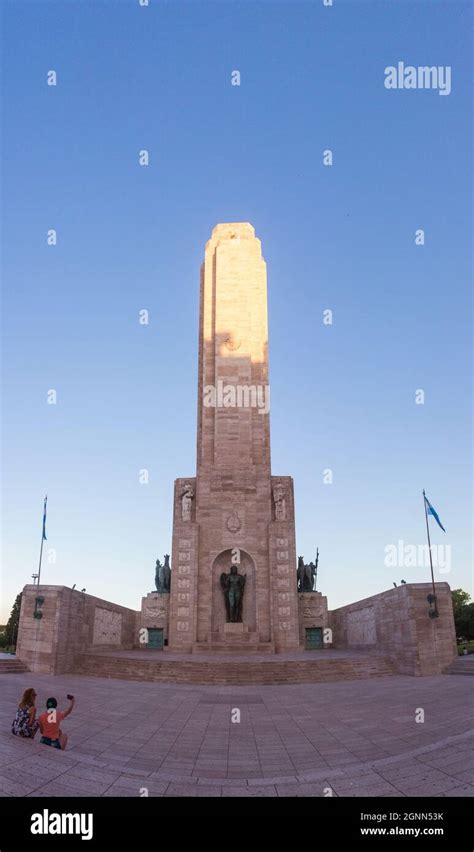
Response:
column 158, row 569
column 167, row 574
column 163, row 575
column 306, row 575
column 300, row 574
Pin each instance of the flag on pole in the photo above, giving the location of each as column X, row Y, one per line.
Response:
column 44, row 518
column 431, row 511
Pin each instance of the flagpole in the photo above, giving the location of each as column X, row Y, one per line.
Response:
column 42, row 540
column 429, row 548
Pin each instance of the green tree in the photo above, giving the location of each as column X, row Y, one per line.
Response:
column 11, row 630
column 465, row 622
column 463, row 613
column 460, row 599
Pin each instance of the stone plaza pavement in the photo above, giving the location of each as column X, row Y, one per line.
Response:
column 351, row 738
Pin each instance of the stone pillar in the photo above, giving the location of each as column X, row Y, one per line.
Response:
column 313, row 612
column 184, row 560
column 233, row 503
column 233, row 351
column 155, row 613
column 282, row 548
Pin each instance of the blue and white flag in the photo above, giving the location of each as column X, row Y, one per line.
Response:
column 44, row 518
column 431, row 511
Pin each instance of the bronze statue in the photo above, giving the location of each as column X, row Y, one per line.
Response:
column 158, row 569
column 233, row 585
column 163, row 575
column 306, row 574
column 167, row 574
column 315, row 570
column 300, row 574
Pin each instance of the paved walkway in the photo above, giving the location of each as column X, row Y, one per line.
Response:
column 351, row 738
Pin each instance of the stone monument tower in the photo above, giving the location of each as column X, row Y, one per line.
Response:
column 233, row 514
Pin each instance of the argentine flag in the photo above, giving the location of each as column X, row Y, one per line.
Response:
column 431, row 511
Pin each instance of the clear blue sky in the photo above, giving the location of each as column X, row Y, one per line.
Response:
column 341, row 237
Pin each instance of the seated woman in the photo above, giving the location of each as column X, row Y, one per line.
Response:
column 24, row 724
column 50, row 722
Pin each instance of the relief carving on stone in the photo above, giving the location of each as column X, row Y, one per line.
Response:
column 361, row 629
column 159, row 612
column 187, row 497
column 232, row 343
column 233, row 523
column 107, row 627
column 309, row 612
column 279, row 494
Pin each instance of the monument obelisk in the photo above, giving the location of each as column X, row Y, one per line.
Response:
column 233, row 512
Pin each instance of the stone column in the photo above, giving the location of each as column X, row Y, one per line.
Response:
column 282, row 547
column 183, row 598
column 233, row 504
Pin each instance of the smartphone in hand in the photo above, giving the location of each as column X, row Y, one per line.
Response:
column 69, row 697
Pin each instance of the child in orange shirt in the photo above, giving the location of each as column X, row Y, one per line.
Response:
column 50, row 721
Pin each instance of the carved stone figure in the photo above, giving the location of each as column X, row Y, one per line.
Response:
column 233, row 585
column 155, row 614
column 187, row 497
column 280, row 502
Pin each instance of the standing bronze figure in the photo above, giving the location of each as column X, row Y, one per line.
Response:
column 158, row 575
column 233, row 585
column 163, row 576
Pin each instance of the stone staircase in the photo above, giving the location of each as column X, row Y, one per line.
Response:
column 13, row 666
column 464, row 665
column 236, row 648
column 242, row 643
column 215, row 671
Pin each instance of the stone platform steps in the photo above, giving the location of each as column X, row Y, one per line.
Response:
column 12, row 666
column 234, row 672
column 462, row 666
column 234, row 647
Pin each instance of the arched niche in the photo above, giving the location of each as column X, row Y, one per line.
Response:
column 222, row 565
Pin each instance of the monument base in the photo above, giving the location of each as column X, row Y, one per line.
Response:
column 234, row 638
column 235, row 629
column 312, row 615
column 154, row 615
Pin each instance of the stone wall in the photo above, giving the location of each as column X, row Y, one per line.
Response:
column 397, row 623
column 71, row 623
